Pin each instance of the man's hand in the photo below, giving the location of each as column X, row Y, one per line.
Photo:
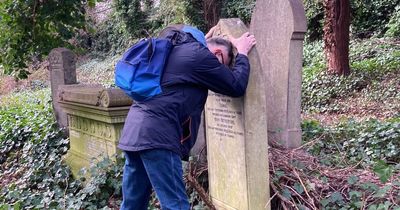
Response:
column 211, row 32
column 244, row 43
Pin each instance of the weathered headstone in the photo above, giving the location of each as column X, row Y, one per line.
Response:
column 62, row 72
column 237, row 142
column 95, row 116
column 279, row 27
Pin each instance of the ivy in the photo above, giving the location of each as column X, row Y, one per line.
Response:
column 374, row 76
column 366, row 142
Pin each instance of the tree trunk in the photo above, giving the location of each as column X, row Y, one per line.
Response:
column 336, row 36
column 212, row 12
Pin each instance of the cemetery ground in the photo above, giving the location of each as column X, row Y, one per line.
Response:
column 349, row 159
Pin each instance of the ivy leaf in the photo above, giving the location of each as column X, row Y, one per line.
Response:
column 286, row 193
column 382, row 192
column 355, row 195
column 383, row 170
column 352, row 180
column 324, row 202
column 299, row 189
column 336, row 197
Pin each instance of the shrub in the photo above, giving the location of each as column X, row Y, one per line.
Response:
column 110, row 38
column 242, row 9
column 30, row 29
column 370, row 17
column 393, row 25
column 315, row 19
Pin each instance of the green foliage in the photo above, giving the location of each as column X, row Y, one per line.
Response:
column 30, row 29
column 193, row 13
column 375, row 68
column 383, row 170
column 393, row 25
column 368, row 17
column 315, row 19
column 110, row 38
column 178, row 12
column 25, row 115
column 352, row 142
column 371, row 16
column 132, row 15
column 352, row 189
column 102, row 187
column 31, row 149
column 169, row 12
column 369, row 144
column 313, row 58
column 319, row 90
column 242, row 9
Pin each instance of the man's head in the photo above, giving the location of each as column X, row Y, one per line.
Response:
column 222, row 49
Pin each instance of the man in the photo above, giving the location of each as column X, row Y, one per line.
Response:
column 159, row 132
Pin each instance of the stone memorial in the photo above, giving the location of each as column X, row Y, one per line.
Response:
column 279, row 27
column 96, row 116
column 62, row 72
column 237, row 142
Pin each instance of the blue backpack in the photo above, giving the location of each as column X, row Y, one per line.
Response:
column 140, row 70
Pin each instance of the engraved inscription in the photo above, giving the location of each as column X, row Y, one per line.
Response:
column 225, row 117
column 96, row 148
column 90, row 127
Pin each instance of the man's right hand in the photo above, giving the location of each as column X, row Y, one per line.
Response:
column 244, row 43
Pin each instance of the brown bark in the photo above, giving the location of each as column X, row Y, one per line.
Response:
column 336, row 35
column 212, row 12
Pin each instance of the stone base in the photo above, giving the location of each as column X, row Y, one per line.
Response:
column 94, row 133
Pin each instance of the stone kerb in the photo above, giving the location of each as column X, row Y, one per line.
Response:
column 96, row 117
column 237, row 142
column 279, row 27
column 62, row 72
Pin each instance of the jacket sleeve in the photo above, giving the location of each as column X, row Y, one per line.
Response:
column 210, row 73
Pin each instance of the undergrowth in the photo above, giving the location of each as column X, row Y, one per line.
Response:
column 375, row 73
column 354, row 143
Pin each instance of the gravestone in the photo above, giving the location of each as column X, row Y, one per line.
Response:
column 62, row 72
column 237, row 142
column 279, row 27
column 96, row 116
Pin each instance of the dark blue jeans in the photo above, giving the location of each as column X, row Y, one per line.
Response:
column 157, row 168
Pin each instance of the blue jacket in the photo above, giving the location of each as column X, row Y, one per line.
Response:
column 171, row 120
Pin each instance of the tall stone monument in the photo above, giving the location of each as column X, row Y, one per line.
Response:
column 62, row 72
column 237, row 142
column 279, row 27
